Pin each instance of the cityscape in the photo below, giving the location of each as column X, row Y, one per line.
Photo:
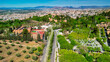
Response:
column 54, row 31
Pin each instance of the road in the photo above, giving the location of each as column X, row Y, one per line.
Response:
column 53, row 55
column 46, row 49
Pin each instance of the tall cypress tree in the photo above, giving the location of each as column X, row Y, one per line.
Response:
column 38, row 37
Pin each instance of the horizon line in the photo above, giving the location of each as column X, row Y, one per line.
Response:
column 55, row 6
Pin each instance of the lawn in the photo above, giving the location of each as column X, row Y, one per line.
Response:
column 80, row 34
column 70, row 56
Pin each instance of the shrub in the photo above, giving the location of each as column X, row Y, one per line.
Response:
column 17, row 43
column 106, row 48
column 21, row 61
column 63, row 43
column 0, row 51
column 16, row 49
column 89, row 57
column 0, row 43
column 10, row 41
column 31, row 52
column 11, row 61
column 103, row 58
column 20, row 46
column 7, row 47
column 36, row 41
column 24, row 51
column 9, row 53
column 1, row 57
column 18, row 55
column 12, row 44
column 0, row 46
column 27, row 56
column 34, row 49
column 3, row 40
column 26, row 41
column 37, row 54
column 105, row 39
column 22, row 40
column 28, row 47
column 34, row 57
column 39, row 49
column 4, row 43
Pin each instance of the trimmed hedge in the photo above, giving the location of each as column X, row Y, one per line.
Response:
column 63, row 43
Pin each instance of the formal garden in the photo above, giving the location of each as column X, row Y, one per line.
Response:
column 20, row 51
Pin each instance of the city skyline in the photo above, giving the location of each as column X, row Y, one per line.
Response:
column 34, row 3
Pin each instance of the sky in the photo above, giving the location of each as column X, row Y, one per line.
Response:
column 34, row 3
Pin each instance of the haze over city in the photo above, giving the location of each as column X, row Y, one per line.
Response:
column 34, row 3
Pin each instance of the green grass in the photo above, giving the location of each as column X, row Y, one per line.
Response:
column 70, row 56
column 80, row 33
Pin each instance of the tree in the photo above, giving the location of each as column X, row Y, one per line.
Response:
column 21, row 61
column 16, row 49
column 1, row 31
column 11, row 61
column 0, row 46
column 20, row 46
column 4, row 43
column 27, row 56
column 37, row 53
column 7, row 47
column 103, row 58
column 9, row 53
column 24, row 51
column 109, row 35
column 39, row 38
column 36, row 41
column 1, row 57
column 4, row 40
column 26, row 41
column 18, row 54
column 34, row 57
column 31, row 52
column 12, row 44
column 39, row 27
column 17, row 43
column 34, row 49
column 39, row 49
column 28, row 47
column 88, row 57
column 0, row 51
column 10, row 41
column 22, row 40
column 25, row 33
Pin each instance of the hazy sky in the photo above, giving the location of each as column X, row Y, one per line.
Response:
column 33, row 3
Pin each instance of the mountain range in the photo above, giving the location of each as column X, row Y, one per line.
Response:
column 70, row 7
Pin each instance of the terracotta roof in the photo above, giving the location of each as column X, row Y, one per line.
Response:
column 37, row 29
column 33, row 32
column 40, row 32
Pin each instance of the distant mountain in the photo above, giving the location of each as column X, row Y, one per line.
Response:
column 85, row 7
column 44, row 7
column 70, row 7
